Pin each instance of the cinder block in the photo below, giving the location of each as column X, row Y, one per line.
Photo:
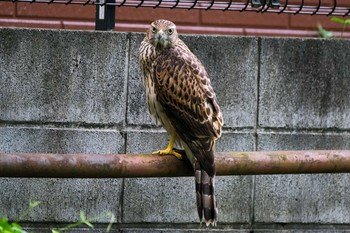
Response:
column 63, row 76
column 312, row 198
column 54, row 140
column 168, row 200
column 172, row 200
column 316, row 198
column 234, row 197
column 236, row 141
column 61, row 199
column 232, row 64
column 304, row 83
column 160, row 200
column 146, row 142
column 234, row 192
column 156, row 199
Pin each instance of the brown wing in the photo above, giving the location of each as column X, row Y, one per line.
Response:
column 185, row 93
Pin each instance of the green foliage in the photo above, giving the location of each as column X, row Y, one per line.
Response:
column 323, row 32
column 340, row 20
column 86, row 221
column 345, row 22
column 328, row 34
column 7, row 227
column 32, row 205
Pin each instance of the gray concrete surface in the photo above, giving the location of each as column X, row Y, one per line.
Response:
column 46, row 77
column 61, row 199
column 304, row 84
column 61, row 140
column 80, row 92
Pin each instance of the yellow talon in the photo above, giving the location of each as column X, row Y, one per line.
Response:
column 169, row 150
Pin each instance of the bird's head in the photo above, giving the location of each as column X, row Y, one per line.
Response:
column 162, row 34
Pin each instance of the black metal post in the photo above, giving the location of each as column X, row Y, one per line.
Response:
column 271, row 3
column 257, row 3
column 275, row 3
column 105, row 15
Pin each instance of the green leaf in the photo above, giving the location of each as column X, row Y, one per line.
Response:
column 17, row 230
column 84, row 220
column 88, row 224
column 16, row 225
column 110, row 222
column 3, row 220
column 338, row 20
column 82, row 216
column 54, row 231
column 323, row 32
column 4, row 225
column 33, row 204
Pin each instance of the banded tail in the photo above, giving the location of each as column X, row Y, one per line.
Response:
column 205, row 197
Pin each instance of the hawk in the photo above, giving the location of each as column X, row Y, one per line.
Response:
column 180, row 96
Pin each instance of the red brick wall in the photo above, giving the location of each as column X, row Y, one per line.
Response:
column 188, row 21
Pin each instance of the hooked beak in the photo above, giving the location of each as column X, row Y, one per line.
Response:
column 159, row 40
column 160, row 36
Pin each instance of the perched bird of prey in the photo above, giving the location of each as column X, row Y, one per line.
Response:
column 180, row 96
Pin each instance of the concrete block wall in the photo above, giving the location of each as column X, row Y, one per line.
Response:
column 80, row 92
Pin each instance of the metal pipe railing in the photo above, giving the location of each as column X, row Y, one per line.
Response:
column 144, row 165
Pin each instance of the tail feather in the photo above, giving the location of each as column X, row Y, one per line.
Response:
column 206, row 201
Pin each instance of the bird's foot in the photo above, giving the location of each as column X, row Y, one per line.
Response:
column 168, row 151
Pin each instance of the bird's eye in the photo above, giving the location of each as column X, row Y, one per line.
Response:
column 154, row 29
column 170, row 31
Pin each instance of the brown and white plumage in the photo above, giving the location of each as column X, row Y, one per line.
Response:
column 180, row 96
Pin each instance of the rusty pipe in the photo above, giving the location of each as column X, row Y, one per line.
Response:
column 144, row 165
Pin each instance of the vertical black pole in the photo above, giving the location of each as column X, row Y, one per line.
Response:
column 105, row 15
column 275, row 3
column 271, row 3
column 257, row 3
